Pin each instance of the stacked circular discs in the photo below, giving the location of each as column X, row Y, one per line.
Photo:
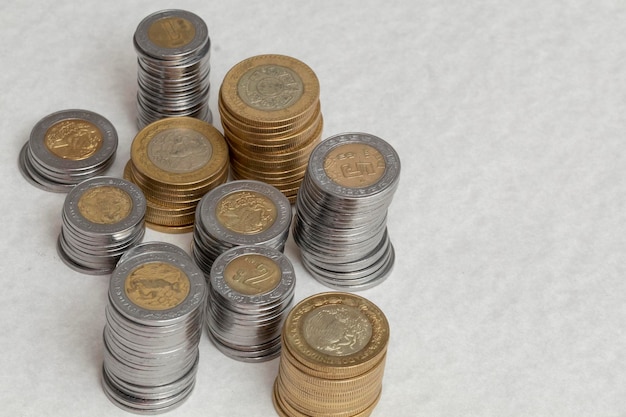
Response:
column 340, row 223
column 68, row 147
column 153, row 327
column 102, row 218
column 250, row 291
column 242, row 212
column 333, row 357
column 270, row 111
column 176, row 161
column 173, row 49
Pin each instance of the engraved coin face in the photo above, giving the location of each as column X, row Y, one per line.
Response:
column 179, row 150
column 252, row 274
column 171, row 32
column 157, row 286
column 270, row 87
column 105, row 205
column 337, row 330
column 354, row 165
column 246, row 212
column 73, row 139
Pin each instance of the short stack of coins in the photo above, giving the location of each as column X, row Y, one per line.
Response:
column 250, row 292
column 175, row 162
column 270, row 111
column 66, row 148
column 242, row 212
column 102, row 217
column 154, row 320
column 340, row 223
column 173, row 49
column 333, row 357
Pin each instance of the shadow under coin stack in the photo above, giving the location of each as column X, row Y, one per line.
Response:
column 102, row 218
column 250, row 291
column 340, row 223
column 175, row 162
column 243, row 212
column 333, row 357
column 154, row 321
column 173, row 49
column 270, row 111
column 66, row 148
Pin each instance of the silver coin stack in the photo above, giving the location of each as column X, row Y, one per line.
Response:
column 243, row 212
column 250, row 292
column 102, row 218
column 154, row 246
column 154, row 320
column 340, row 223
column 173, row 49
column 68, row 147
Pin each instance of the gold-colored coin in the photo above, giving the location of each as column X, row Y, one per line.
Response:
column 105, row 205
column 171, row 32
column 252, row 274
column 157, row 286
column 246, row 212
column 270, row 90
column 169, row 229
column 73, row 139
column 354, row 165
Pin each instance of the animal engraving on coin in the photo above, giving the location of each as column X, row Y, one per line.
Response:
column 73, row 139
column 252, row 274
column 337, row 330
column 354, row 165
column 246, row 212
column 171, row 32
column 270, row 87
column 157, row 286
column 105, row 205
column 179, row 150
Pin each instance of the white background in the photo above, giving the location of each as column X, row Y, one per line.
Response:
column 507, row 296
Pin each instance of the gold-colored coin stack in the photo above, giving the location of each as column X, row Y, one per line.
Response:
column 175, row 161
column 334, row 347
column 271, row 115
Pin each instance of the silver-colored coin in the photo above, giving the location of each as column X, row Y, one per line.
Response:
column 154, row 246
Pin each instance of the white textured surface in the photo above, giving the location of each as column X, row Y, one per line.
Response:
column 507, row 297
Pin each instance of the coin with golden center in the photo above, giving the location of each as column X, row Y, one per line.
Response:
column 354, row 165
column 171, row 32
column 252, row 274
column 105, row 205
column 73, row 139
column 246, row 212
column 157, row 286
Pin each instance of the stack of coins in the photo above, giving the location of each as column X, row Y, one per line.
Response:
column 153, row 327
column 250, row 292
column 173, row 49
column 340, row 223
column 102, row 218
column 68, row 147
column 145, row 247
column 175, row 162
column 270, row 111
column 242, row 212
column 333, row 357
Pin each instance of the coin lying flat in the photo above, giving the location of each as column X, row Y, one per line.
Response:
column 333, row 357
column 173, row 49
column 66, row 148
column 340, row 223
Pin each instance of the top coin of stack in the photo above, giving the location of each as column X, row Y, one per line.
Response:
column 176, row 161
column 271, row 115
column 333, row 357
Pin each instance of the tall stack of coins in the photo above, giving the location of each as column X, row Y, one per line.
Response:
column 270, row 111
column 102, row 218
column 333, row 357
column 250, row 291
column 153, row 327
column 68, row 147
column 173, row 49
column 242, row 212
column 340, row 223
column 175, row 162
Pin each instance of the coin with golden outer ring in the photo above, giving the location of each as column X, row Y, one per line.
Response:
column 185, row 151
column 270, row 90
